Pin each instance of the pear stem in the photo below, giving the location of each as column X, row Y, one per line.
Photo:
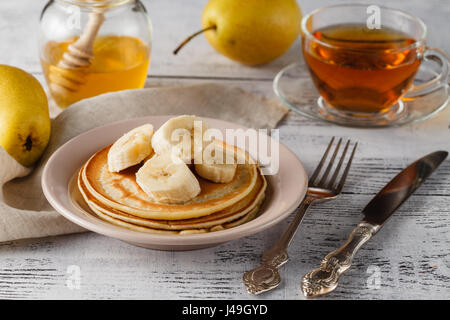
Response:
column 213, row 27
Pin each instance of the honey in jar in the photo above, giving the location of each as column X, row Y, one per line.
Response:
column 89, row 48
column 119, row 63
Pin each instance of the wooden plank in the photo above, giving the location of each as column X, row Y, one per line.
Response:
column 110, row 268
column 410, row 252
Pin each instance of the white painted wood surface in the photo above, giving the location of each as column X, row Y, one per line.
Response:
column 412, row 252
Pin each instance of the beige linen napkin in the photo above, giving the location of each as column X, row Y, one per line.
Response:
column 24, row 211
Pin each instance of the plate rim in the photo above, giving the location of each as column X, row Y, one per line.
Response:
column 97, row 225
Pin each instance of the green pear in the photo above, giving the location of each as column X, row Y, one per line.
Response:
column 252, row 32
column 24, row 116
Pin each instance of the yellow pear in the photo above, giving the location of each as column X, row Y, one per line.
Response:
column 252, row 32
column 24, row 117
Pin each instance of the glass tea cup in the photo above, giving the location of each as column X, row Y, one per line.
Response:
column 364, row 70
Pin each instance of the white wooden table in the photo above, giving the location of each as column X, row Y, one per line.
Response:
column 408, row 259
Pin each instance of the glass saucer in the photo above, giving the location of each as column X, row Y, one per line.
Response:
column 294, row 87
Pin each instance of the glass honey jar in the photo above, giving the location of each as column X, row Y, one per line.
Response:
column 92, row 47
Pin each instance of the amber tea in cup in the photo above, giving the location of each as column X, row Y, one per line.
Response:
column 364, row 71
column 360, row 70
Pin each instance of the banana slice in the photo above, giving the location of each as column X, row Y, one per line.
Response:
column 181, row 136
column 131, row 148
column 218, row 165
column 168, row 180
column 219, row 173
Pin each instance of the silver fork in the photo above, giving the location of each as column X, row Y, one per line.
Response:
column 266, row 276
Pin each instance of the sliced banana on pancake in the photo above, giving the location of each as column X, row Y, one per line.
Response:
column 167, row 179
column 219, row 163
column 182, row 136
column 220, row 173
column 131, row 148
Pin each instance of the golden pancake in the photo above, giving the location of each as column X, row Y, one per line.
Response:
column 250, row 215
column 216, row 219
column 120, row 191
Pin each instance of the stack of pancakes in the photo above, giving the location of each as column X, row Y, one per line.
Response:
column 118, row 199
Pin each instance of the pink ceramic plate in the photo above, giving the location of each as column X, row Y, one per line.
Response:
column 286, row 189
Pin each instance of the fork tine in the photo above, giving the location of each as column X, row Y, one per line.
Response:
column 347, row 168
column 330, row 164
column 319, row 166
column 338, row 167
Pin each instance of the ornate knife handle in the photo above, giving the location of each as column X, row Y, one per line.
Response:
column 325, row 278
column 266, row 277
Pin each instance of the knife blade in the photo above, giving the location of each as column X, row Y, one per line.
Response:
column 384, row 204
column 325, row 278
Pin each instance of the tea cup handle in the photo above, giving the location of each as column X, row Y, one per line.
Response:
column 442, row 79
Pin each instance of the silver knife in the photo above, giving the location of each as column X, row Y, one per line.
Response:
column 325, row 278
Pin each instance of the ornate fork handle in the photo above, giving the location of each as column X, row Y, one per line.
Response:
column 325, row 278
column 266, row 277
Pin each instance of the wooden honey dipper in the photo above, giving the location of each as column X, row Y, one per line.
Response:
column 68, row 75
